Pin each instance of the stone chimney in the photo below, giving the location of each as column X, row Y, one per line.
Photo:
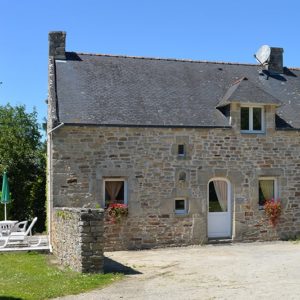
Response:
column 275, row 62
column 57, row 44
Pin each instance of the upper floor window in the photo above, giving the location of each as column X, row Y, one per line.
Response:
column 252, row 119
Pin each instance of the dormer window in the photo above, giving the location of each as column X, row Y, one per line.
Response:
column 252, row 119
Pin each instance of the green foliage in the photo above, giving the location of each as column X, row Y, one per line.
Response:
column 64, row 215
column 30, row 276
column 23, row 155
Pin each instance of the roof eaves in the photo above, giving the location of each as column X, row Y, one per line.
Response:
column 148, row 126
column 287, row 129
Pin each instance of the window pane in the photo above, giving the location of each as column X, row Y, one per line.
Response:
column 179, row 204
column 114, row 192
column 257, row 122
column 180, row 149
column 266, row 190
column 218, row 196
column 245, row 118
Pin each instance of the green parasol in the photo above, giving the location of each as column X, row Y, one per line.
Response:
column 5, row 197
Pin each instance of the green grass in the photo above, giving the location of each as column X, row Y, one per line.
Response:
column 31, row 276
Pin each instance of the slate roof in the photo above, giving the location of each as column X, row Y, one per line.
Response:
column 131, row 91
column 245, row 92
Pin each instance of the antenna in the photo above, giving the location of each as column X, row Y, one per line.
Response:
column 263, row 54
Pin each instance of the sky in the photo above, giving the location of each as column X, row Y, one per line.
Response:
column 214, row 30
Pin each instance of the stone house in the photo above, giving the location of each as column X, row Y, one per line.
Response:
column 194, row 148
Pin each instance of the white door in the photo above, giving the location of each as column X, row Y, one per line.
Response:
column 219, row 209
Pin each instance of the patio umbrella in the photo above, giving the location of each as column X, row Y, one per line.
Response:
column 5, row 198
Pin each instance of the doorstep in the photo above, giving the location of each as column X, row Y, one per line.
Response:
column 219, row 241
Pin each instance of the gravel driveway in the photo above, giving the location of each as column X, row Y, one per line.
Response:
column 231, row 271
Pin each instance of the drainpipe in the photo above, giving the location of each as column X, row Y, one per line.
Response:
column 53, row 129
column 49, row 150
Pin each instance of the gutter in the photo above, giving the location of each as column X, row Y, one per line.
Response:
column 148, row 126
column 288, row 129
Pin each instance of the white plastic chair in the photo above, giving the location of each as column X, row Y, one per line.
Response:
column 20, row 227
column 20, row 238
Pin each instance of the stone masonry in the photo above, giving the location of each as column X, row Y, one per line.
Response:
column 77, row 238
column 83, row 156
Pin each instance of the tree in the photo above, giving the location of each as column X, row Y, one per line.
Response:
column 22, row 154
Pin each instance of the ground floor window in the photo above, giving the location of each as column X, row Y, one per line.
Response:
column 267, row 190
column 115, row 191
column 181, row 206
column 218, row 196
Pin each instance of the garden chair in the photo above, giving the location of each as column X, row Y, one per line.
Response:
column 20, row 238
column 6, row 226
column 20, row 227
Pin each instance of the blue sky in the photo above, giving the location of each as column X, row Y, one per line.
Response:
column 202, row 30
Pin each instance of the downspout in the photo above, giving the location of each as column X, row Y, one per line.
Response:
column 53, row 129
column 50, row 202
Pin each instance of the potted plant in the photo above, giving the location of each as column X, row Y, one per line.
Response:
column 116, row 211
column 273, row 210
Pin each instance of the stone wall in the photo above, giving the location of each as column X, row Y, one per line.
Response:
column 153, row 231
column 83, row 156
column 77, row 238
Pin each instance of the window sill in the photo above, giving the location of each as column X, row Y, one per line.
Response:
column 252, row 132
column 181, row 156
column 181, row 213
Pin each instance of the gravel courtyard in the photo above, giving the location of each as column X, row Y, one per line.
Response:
column 230, row 271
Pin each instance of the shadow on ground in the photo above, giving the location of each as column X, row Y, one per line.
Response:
column 112, row 266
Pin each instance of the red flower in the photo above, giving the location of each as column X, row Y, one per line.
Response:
column 273, row 210
column 116, row 211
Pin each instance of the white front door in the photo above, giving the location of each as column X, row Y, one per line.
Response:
column 219, row 209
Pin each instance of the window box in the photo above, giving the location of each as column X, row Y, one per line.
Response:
column 116, row 212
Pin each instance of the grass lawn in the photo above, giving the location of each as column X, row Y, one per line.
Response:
column 31, row 276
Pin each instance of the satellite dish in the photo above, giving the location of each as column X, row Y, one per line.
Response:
column 263, row 54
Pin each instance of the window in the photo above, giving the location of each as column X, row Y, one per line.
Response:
column 115, row 191
column 252, row 119
column 182, row 176
column 181, row 150
column 180, row 206
column 218, row 196
column 267, row 190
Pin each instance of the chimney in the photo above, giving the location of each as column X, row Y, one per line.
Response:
column 57, row 44
column 275, row 62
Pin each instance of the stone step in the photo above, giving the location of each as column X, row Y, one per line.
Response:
column 219, row 241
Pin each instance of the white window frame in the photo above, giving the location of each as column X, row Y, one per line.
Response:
column 181, row 211
column 276, row 191
column 251, row 118
column 125, row 188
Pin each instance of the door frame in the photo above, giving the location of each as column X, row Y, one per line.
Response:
column 229, row 199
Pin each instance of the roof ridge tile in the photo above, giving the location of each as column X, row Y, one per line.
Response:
column 166, row 59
